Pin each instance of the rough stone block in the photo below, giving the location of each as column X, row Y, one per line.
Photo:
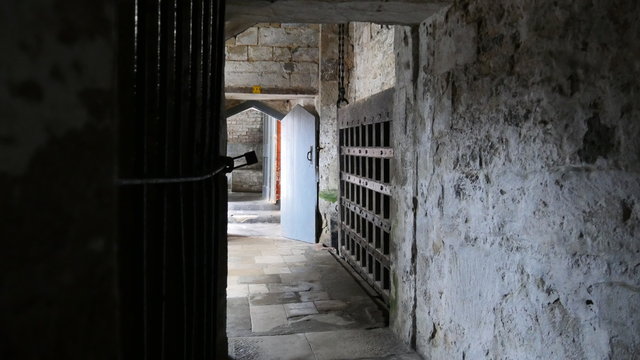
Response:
column 260, row 53
column 255, row 67
column 304, row 81
column 288, row 37
column 248, row 37
column 246, row 181
column 266, row 80
column 236, row 53
column 305, row 54
column 281, row 54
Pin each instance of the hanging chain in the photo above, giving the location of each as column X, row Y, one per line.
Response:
column 341, row 89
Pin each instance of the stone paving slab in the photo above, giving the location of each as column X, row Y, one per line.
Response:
column 234, row 291
column 238, row 318
column 267, row 317
column 257, row 230
column 259, row 279
column 313, row 296
column 245, row 272
column 273, row 281
column 284, row 347
column 294, row 258
column 276, row 269
column 269, row 259
column 300, row 277
column 297, row 287
column 274, row 298
column 355, row 344
column 329, row 305
column 292, row 300
column 300, row 309
column 377, row 344
column 258, row 289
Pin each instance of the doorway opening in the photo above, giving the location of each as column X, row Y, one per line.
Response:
column 254, row 191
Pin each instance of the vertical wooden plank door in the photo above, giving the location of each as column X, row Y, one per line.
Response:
column 172, row 218
column 299, row 180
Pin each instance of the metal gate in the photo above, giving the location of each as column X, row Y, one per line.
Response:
column 365, row 191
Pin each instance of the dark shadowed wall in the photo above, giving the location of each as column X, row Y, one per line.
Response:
column 57, row 166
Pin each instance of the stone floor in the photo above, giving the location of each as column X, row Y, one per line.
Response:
column 250, row 208
column 287, row 299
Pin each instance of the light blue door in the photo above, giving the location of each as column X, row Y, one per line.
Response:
column 299, row 186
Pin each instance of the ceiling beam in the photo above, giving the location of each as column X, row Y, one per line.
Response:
column 249, row 96
column 399, row 12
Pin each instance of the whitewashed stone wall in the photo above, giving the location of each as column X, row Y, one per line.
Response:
column 328, row 138
column 372, row 61
column 517, row 182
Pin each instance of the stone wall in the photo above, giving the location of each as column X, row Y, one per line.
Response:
column 57, row 169
column 517, row 183
column 371, row 61
column 244, row 134
column 329, row 172
column 245, row 127
column 281, row 58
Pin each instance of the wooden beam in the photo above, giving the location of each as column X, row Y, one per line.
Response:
column 400, row 12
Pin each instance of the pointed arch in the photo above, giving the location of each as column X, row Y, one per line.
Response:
column 257, row 105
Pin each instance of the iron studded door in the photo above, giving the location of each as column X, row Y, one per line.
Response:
column 365, row 192
column 299, row 181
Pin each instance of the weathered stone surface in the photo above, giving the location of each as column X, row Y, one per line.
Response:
column 373, row 60
column 290, row 36
column 282, row 54
column 517, row 166
column 328, row 137
column 293, row 346
column 245, row 128
column 248, row 37
column 356, row 344
column 236, row 53
column 260, row 53
column 244, row 134
column 246, row 180
column 305, row 54
column 285, row 62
